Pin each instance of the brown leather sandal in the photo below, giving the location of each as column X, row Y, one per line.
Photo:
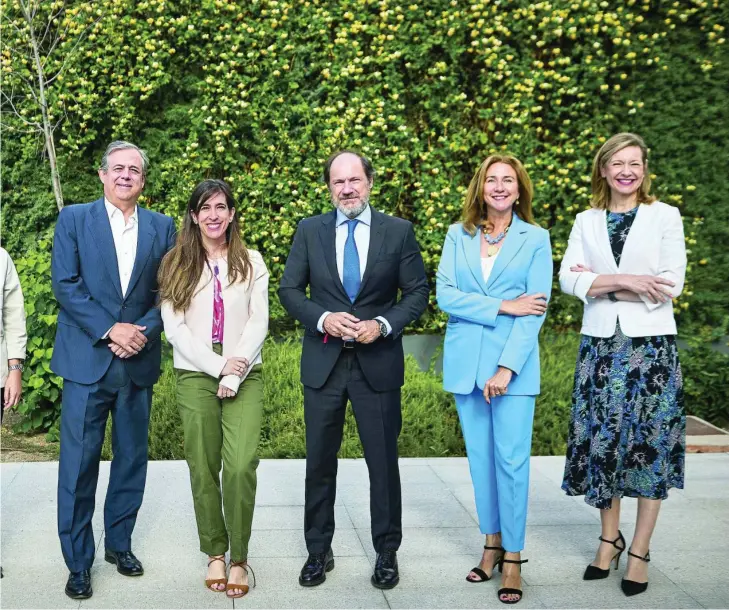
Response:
column 232, row 586
column 209, row 582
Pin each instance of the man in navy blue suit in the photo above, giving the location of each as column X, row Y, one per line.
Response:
column 104, row 269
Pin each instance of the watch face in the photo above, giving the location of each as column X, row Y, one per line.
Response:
column 383, row 329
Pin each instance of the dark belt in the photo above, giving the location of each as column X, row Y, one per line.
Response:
column 348, row 344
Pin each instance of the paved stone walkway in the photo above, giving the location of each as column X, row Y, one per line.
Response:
column 689, row 568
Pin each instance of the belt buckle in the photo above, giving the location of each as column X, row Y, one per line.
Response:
column 348, row 344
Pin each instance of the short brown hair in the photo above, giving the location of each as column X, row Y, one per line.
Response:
column 600, row 188
column 475, row 213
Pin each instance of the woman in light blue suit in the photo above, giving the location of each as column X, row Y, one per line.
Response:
column 494, row 279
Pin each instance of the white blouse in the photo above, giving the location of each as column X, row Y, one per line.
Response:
column 487, row 265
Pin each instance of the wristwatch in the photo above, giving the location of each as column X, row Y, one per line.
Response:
column 383, row 328
column 16, row 367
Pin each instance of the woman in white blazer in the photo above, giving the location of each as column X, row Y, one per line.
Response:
column 12, row 334
column 626, row 261
column 214, row 301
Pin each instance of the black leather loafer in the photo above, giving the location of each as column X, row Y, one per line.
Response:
column 386, row 574
column 79, row 585
column 315, row 569
column 126, row 563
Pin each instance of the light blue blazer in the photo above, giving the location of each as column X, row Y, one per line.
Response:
column 478, row 338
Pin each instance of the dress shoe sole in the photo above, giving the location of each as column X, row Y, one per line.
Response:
column 313, row 583
column 111, row 559
column 390, row 585
column 79, row 595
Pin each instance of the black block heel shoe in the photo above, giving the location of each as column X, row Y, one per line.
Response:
column 509, row 590
column 595, row 573
column 630, row 587
column 482, row 576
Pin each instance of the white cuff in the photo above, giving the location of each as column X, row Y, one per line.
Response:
column 320, row 323
column 387, row 324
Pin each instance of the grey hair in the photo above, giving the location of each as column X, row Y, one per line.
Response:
column 123, row 145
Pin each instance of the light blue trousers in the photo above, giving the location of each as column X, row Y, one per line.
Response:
column 499, row 442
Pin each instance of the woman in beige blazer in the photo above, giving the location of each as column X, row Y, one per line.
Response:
column 626, row 261
column 12, row 334
column 214, row 302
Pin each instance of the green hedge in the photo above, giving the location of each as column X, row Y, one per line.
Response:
column 261, row 92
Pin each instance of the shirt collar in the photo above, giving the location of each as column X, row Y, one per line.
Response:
column 112, row 210
column 365, row 217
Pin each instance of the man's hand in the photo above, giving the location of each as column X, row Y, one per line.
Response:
column 341, row 324
column 13, row 388
column 225, row 392
column 119, row 351
column 235, row 366
column 498, row 384
column 128, row 336
column 368, row 331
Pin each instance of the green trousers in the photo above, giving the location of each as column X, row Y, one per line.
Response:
column 222, row 432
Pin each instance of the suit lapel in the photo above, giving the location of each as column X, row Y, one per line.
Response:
column 101, row 231
column 513, row 242
column 145, row 240
column 602, row 239
column 328, row 237
column 472, row 250
column 377, row 238
column 636, row 230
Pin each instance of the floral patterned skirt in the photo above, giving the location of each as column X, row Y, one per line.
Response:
column 627, row 435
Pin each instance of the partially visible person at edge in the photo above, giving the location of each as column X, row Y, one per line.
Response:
column 366, row 282
column 494, row 280
column 626, row 261
column 104, row 276
column 214, row 296
column 12, row 336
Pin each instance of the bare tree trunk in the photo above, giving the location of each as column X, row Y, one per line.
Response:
column 47, row 129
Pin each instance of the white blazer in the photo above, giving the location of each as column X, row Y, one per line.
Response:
column 12, row 321
column 655, row 246
column 246, row 324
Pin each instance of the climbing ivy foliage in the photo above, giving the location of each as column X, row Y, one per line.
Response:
column 261, row 92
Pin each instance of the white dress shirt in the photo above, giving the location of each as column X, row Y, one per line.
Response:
column 125, row 241
column 487, row 265
column 362, row 240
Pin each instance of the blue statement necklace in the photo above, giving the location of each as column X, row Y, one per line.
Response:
column 493, row 241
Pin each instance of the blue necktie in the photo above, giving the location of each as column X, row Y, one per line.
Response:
column 350, row 274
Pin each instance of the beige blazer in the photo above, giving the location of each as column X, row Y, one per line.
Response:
column 12, row 321
column 654, row 246
column 246, row 324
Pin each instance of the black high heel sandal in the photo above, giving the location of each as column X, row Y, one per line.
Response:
column 595, row 573
column 508, row 590
column 630, row 587
column 480, row 573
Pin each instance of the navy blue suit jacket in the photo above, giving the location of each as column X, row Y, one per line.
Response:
column 85, row 278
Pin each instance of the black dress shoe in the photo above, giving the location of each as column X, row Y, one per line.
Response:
column 126, row 563
column 386, row 575
column 314, row 571
column 79, row 585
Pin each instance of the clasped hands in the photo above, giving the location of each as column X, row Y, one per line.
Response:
column 349, row 328
column 127, row 340
column 233, row 366
column 653, row 287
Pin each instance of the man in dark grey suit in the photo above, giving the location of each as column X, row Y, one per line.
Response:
column 354, row 260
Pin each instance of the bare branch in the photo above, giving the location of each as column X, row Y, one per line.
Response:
column 16, row 112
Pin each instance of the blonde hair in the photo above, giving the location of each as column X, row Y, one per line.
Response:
column 600, row 188
column 475, row 212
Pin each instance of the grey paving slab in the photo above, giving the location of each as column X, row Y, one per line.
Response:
column 462, row 596
column 709, row 596
column 8, row 474
column 441, row 542
column 607, row 594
